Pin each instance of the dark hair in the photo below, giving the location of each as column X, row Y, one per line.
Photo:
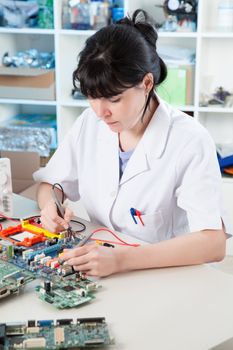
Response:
column 118, row 57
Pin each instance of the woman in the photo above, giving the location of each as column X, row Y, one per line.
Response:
column 131, row 153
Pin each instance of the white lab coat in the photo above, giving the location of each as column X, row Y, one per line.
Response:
column 172, row 177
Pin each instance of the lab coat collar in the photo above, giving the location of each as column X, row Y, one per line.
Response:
column 151, row 145
column 155, row 136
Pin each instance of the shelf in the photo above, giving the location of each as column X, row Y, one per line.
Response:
column 177, row 34
column 27, row 102
column 77, row 32
column 215, row 110
column 217, row 35
column 27, row 31
column 75, row 103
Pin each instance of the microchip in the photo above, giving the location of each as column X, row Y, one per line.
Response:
column 68, row 288
column 31, row 323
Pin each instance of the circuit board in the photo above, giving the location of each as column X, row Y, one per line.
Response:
column 12, row 279
column 36, row 251
column 67, row 292
column 49, row 335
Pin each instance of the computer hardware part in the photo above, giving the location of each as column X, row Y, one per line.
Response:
column 12, row 279
column 62, row 286
column 61, row 334
column 70, row 291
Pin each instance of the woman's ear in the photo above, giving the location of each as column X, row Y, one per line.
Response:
column 148, row 82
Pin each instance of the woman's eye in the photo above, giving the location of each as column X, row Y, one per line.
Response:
column 115, row 100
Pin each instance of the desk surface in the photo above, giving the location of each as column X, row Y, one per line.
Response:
column 170, row 308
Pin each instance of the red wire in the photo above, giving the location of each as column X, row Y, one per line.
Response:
column 113, row 233
column 105, row 241
column 6, row 217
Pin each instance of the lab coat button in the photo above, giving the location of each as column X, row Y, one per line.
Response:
column 113, row 194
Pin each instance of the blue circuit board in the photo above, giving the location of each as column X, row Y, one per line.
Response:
column 61, row 286
column 49, row 335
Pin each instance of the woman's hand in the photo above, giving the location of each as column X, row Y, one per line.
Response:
column 50, row 219
column 93, row 259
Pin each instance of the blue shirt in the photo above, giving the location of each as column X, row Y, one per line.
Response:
column 124, row 158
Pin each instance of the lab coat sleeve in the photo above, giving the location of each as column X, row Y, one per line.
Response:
column 62, row 167
column 199, row 190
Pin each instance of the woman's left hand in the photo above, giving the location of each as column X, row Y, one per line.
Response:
column 93, row 259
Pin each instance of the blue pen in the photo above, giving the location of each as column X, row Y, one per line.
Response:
column 133, row 213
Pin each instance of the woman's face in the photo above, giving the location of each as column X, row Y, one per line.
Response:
column 122, row 112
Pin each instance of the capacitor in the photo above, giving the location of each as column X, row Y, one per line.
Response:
column 47, row 286
column 10, row 251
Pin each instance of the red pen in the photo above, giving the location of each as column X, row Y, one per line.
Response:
column 139, row 215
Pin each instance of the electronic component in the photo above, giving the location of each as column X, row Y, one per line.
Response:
column 61, row 334
column 6, row 199
column 67, row 292
column 33, row 253
column 12, row 279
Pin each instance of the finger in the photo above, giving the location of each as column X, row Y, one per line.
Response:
column 68, row 215
column 84, row 259
column 73, row 253
column 50, row 211
column 50, row 225
column 82, row 268
column 89, row 270
column 60, row 221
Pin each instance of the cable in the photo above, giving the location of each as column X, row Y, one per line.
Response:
column 113, row 233
column 7, row 218
column 79, row 223
column 59, row 186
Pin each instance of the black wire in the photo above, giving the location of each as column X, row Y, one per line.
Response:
column 57, row 185
column 80, row 223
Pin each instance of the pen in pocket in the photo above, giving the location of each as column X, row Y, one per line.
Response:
column 136, row 213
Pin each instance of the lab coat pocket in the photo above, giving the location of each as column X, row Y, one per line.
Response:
column 151, row 231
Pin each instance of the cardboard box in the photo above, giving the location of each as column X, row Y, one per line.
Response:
column 23, row 165
column 177, row 89
column 29, row 83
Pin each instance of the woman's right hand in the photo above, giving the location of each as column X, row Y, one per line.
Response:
column 50, row 219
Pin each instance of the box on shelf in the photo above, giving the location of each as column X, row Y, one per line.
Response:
column 29, row 83
column 177, row 89
column 23, row 165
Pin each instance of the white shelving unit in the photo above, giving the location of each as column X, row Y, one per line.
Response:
column 214, row 57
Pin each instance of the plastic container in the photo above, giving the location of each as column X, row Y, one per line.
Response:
column 99, row 14
column 82, row 16
column 225, row 16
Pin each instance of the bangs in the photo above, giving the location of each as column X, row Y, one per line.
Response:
column 96, row 79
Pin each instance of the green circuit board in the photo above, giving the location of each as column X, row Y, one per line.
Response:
column 63, row 334
column 68, row 291
column 12, row 279
column 61, row 286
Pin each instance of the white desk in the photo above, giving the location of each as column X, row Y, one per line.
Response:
column 174, row 308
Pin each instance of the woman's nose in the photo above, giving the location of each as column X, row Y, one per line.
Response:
column 102, row 111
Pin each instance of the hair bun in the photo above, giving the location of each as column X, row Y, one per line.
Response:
column 143, row 23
